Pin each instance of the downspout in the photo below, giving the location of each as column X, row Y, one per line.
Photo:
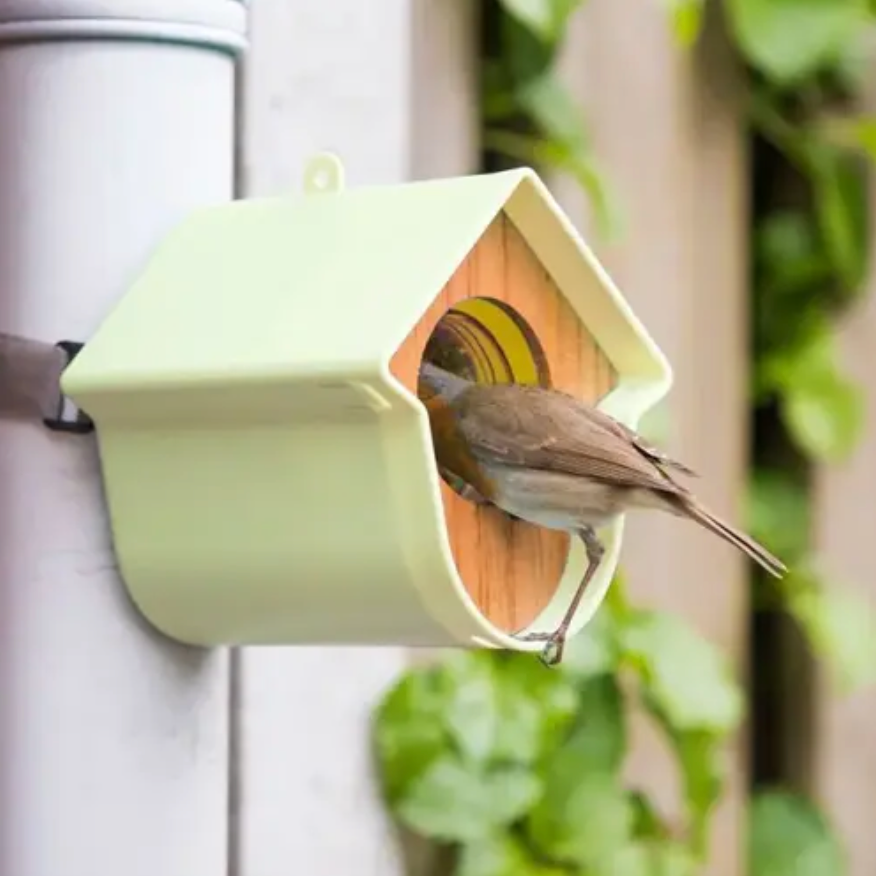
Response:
column 116, row 120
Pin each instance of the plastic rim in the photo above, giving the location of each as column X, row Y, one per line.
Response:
column 215, row 23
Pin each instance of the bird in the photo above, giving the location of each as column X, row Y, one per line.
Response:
column 544, row 456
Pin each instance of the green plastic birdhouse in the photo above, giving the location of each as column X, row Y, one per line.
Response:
column 268, row 465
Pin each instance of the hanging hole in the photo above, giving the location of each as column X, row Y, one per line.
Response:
column 324, row 173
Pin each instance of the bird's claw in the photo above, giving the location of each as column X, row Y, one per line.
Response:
column 555, row 642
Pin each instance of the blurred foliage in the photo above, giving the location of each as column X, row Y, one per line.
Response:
column 518, row 770
column 789, row 836
column 529, row 115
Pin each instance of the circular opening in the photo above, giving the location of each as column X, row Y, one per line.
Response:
column 510, row 568
column 487, row 341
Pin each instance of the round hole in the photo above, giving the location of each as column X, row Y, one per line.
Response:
column 486, row 341
column 510, row 568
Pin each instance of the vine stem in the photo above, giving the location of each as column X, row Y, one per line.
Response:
column 790, row 140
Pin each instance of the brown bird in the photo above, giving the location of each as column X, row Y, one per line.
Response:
column 548, row 458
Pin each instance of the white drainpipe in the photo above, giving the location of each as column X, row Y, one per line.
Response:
column 116, row 119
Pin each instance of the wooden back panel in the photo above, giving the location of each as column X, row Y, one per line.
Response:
column 510, row 568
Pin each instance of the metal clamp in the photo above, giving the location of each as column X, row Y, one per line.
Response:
column 68, row 417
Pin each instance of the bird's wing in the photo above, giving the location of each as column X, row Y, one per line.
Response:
column 647, row 449
column 524, row 426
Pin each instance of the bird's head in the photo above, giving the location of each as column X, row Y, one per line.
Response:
column 435, row 381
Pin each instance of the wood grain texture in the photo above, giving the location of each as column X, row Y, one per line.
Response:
column 510, row 568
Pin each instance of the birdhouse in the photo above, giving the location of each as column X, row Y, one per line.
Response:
column 268, row 465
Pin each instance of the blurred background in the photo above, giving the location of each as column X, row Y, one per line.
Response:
column 716, row 157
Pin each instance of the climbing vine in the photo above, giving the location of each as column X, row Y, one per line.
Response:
column 516, row 770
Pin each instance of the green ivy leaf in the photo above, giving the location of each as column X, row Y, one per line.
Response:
column 779, row 513
column 810, row 354
column 784, row 238
column 822, row 410
column 594, row 650
column 841, row 208
column 789, row 836
column 790, row 262
column 525, row 54
column 562, row 143
column 824, row 414
column 790, row 40
column 560, row 156
column 498, row 101
column 855, row 134
column 685, row 675
column 852, row 67
column 863, row 134
column 584, row 814
column 840, row 627
column 598, row 742
column 535, row 708
column 700, row 758
column 409, row 731
column 472, row 715
column 699, row 754
column 653, row 859
column 768, row 116
column 789, row 259
column 546, row 18
column 565, row 144
column 501, row 855
column 548, row 102
column 647, row 823
column 687, row 687
column 582, row 818
column 453, row 801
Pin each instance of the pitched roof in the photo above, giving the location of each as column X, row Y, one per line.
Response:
column 331, row 280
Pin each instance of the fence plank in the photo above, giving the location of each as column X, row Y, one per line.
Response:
column 843, row 769
column 380, row 84
column 666, row 126
column 445, row 99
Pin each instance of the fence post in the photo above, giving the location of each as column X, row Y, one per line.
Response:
column 666, row 125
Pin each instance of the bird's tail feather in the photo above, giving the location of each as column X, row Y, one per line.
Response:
column 738, row 539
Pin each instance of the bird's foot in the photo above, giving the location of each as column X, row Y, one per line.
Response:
column 555, row 642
